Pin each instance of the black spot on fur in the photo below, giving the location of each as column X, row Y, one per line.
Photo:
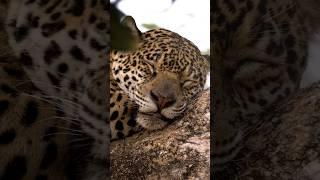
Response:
column 26, row 59
column 53, row 51
column 4, row 104
column 63, row 68
column 92, row 18
column 78, row 8
column 101, row 26
column 125, row 110
column 119, row 126
column 21, row 33
column 7, row 89
column 120, row 135
column 132, row 122
column 33, row 20
column 114, row 115
column 262, row 102
column 73, row 34
column 52, row 7
column 96, row 45
column 126, row 70
column 238, row 21
column 291, row 57
column 49, row 29
column 126, row 78
column 55, row 16
column 7, row 136
column 30, row 2
column 134, row 78
column 49, row 156
column 262, row 6
column 252, row 99
column 119, row 97
column 134, row 63
column 78, row 54
column 30, row 114
column 15, row 169
column 14, row 72
column 131, row 132
column 43, row 2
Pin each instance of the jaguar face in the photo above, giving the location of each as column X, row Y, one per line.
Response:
column 161, row 76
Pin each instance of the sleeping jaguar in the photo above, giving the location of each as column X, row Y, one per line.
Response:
column 156, row 81
column 259, row 51
column 54, row 117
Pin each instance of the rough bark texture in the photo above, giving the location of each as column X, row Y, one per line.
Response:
column 180, row 151
column 286, row 145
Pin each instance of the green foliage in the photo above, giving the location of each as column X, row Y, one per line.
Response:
column 121, row 37
column 150, row 26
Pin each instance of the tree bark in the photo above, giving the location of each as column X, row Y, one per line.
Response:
column 286, row 145
column 179, row 151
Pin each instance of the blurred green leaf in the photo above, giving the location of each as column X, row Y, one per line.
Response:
column 121, row 37
column 150, row 26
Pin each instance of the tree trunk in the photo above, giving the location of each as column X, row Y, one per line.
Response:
column 179, row 151
column 286, row 145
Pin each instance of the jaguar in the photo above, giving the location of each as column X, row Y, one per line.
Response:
column 156, row 81
column 259, row 51
column 64, row 94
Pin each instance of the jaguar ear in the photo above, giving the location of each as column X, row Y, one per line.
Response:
column 129, row 22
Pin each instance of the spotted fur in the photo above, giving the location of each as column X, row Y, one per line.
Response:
column 157, row 80
column 259, row 52
column 54, row 118
column 54, row 122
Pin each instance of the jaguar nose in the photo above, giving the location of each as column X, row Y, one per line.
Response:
column 164, row 98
